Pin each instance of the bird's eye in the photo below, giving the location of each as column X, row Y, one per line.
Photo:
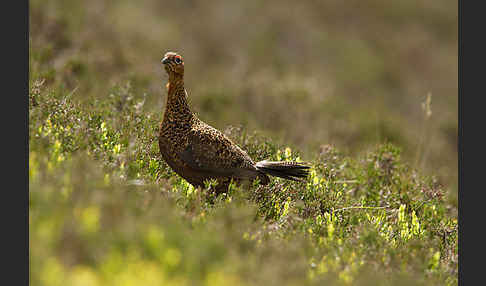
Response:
column 178, row 60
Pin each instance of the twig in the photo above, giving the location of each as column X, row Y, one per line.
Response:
column 360, row 207
column 72, row 92
column 346, row 181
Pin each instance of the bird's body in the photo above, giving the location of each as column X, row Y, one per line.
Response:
column 198, row 152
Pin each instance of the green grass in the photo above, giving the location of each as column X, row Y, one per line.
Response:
column 104, row 209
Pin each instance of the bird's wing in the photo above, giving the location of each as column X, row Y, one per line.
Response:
column 210, row 151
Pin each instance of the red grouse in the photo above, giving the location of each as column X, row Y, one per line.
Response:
column 198, row 152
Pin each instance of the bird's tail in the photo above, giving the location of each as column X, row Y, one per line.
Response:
column 283, row 169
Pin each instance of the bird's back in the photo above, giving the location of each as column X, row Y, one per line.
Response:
column 197, row 152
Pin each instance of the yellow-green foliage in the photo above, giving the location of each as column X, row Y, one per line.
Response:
column 111, row 212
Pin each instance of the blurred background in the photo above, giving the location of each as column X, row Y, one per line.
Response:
column 308, row 73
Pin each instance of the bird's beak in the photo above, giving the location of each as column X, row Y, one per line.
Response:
column 165, row 60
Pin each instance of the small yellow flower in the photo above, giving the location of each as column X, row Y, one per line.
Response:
column 117, row 149
column 288, row 152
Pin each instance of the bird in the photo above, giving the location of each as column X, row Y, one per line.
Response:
column 199, row 152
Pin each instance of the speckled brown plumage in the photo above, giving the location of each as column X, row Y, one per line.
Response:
column 197, row 151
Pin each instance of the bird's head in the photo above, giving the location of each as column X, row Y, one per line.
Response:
column 173, row 63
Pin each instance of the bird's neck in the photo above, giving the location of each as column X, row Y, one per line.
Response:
column 177, row 107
